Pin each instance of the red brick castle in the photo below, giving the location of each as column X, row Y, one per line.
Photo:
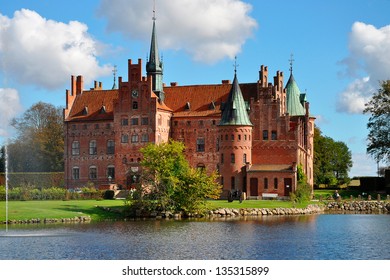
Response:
column 254, row 134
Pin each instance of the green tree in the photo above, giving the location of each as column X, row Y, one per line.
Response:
column 332, row 160
column 379, row 123
column 39, row 144
column 2, row 159
column 169, row 180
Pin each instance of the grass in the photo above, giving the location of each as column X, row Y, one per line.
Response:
column 26, row 210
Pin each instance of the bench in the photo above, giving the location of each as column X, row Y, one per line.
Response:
column 269, row 195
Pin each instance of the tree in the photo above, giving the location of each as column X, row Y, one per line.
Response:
column 168, row 179
column 379, row 124
column 332, row 160
column 2, row 159
column 39, row 144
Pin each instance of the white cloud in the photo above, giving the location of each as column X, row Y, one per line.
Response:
column 208, row 30
column 9, row 108
column 357, row 94
column 368, row 63
column 44, row 52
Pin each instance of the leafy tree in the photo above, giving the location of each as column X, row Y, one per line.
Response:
column 303, row 192
column 332, row 160
column 169, row 180
column 379, row 123
column 39, row 144
column 2, row 159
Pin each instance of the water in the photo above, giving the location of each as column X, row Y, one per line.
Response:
column 312, row 237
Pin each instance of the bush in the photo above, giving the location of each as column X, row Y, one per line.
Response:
column 109, row 194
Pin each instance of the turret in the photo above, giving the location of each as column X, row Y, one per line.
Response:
column 235, row 134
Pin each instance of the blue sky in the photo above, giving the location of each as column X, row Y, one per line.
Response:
column 340, row 49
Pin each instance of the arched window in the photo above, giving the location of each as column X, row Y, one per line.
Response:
column 92, row 147
column 75, row 148
column 92, row 172
column 76, row 173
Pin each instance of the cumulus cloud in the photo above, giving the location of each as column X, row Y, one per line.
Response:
column 43, row 52
column 205, row 29
column 9, row 108
column 355, row 96
column 368, row 63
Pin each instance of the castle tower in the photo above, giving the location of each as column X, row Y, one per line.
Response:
column 294, row 105
column 154, row 67
column 235, row 138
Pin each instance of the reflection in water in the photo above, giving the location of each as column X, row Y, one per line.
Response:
column 271, row 237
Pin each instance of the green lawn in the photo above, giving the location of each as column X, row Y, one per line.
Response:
column 26, row 210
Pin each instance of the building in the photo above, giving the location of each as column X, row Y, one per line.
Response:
column 254, row 134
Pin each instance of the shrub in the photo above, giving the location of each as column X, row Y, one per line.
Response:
column 109, row 194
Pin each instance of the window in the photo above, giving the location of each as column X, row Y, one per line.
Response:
column 233, row 182
column 200, row 123
column 96, row 126
column 232, row 137
column 232, row 158
column 92, row 147
column 274, row 135
column 265, row 183
column 226, row 137
column 245, row 137
column 134, row 121
column 125, row 138
column 134, row 138
column 110, row 172
column 265, row 134
column 92, row 172
column 75, row 148
column 239, row 137
column 110, row 147
column 275, row 183
column 76, row 173
column 124, row 122
column 244, row 158
column 222, row 180
column 135, row 105
column 108, row 125
column 159, row 120
column 145, row 121
column 145, row 138
column 222, row 159
column 201, row 166
column 200, row 145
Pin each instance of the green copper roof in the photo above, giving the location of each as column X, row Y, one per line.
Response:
column 294, row 105
column 154, row 64
column 234, row 109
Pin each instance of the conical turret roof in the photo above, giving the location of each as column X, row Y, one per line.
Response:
column 234, row 110
column 294, row 105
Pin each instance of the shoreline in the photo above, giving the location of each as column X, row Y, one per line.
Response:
column 334, row 207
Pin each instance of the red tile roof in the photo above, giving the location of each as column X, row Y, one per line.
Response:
column 184, row 101
column 93, row 100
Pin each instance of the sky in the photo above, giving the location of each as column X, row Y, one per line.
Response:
column 340, row 51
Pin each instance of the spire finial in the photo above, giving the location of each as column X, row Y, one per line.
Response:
column 154, row 10
column 235, row 65
column 291, row 62
column 114, row 71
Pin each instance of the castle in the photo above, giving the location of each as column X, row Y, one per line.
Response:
column 255, row 134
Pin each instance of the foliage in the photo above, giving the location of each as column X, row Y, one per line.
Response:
column 332, row 160
column 39, row 145
column 40, row 179
column 2, row 159
column 170, row 183
column 303, row 193
column 379, row 123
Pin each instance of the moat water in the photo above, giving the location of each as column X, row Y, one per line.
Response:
column 311, row 237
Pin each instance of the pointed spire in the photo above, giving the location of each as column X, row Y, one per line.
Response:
column 154, row 66
column 234, row 111
column 294, row 105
